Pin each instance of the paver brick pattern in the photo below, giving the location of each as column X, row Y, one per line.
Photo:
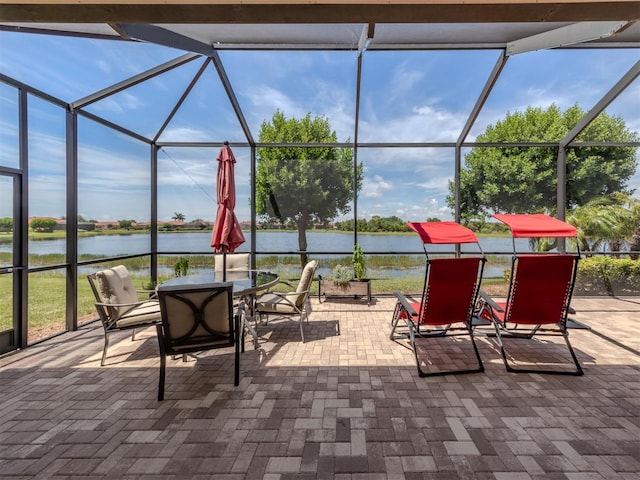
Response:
column 347, row 404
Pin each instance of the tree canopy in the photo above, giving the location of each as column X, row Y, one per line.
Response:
column 305, row 185
column 611, row 220
column 523, row 179
column 43, row 225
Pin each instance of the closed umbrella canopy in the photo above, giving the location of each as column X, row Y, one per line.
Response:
column 226, row 235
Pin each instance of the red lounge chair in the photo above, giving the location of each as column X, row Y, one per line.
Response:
column 448, row 297
column 540, row 289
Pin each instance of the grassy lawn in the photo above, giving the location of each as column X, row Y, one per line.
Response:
column 47, row 290
column 47, row 297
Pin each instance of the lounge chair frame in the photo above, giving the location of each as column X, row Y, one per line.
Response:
column 508, row 318
column 418, row 316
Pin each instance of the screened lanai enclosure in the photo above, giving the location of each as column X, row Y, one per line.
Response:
column 111, row 121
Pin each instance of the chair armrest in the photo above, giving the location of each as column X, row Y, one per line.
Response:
column 489, row 301
column 285, row 296
column 151, row 293
column 404, row 301
column 134, row 304
column 282, row 282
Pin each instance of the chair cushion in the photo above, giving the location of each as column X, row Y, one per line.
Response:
column 305, row 282
column 144, row 314
column 235, row 261
column 270, row 302
column 116, row 287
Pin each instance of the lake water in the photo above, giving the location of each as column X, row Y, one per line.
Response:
column 278, row 242
column 281, row 242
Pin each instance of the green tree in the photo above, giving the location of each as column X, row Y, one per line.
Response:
column 178, row 217
column 524, row 179
column 126, row 224
column 6, row 224
column 303, row 185
column 610, row 220
column 43, row 225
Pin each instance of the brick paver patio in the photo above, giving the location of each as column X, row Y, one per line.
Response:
column 346, row 404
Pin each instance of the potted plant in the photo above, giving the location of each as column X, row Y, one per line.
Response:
column 358, row 260
column 341, row 275
column 346, row 281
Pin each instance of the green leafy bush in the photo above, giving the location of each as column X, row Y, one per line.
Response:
column 610, row 271
column 341, row 274
column 181, row 267
column 358, row 262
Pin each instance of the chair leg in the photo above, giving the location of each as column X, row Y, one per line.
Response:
column 252, row 330
column 510, row 368
column 301, row 328
column 104, row 350
column 475, row 348
column 422, row 373
column 394, row 320
column 239, row 333
column 163, row 364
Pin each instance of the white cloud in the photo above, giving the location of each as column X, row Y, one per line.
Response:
column 185, row 134
column 375, row 187
column 404, row 79
column 427, row 123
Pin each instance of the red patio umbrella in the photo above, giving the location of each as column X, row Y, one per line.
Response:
column 226, row 235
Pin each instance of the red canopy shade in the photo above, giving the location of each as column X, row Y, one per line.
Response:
column 443, row 232
column 227, row 234
column 536, row 225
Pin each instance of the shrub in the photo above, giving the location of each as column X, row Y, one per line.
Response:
column 341, row 274
column 359, row 268
column 609, row 271
column 181, row 267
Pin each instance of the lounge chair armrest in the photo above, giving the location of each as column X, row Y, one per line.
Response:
column 404, row 301
column 285, row 296
column 489, row 301
column 282, row 282
column 293, row 292
column 134, row 304
column 151, row 293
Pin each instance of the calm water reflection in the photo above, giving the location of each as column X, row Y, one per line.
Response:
column 199, row 242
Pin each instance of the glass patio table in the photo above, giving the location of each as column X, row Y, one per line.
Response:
column 246, row 284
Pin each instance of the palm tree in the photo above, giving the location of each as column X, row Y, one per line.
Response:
column 633, row 204
column 178, row 217
column 605, row 220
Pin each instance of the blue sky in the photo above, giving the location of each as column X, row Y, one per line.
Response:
column 409, row 96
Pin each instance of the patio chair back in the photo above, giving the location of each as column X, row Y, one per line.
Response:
column 234, row 261
column 540, row 289
column 196, row 319
column 450, row 290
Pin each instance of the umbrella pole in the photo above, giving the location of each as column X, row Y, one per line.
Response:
column 224, row 264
